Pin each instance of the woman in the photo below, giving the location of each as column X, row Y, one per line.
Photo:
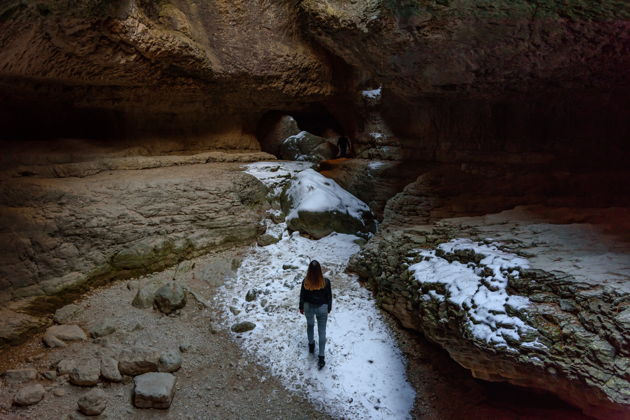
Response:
column 316, row 302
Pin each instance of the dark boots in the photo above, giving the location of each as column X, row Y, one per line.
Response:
column 321, row 363
column 311, row 348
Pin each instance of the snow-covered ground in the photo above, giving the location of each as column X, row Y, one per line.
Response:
column 364, row 375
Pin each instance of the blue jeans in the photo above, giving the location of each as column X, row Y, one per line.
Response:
column 321, row 313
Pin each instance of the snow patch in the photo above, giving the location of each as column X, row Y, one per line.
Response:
column 480, row 290
column 276, row 175
column 372, row 94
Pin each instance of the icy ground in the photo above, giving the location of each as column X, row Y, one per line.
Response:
column 364, row 375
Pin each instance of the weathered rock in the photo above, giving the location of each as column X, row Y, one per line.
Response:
column 169, row 298
column 20, row 375
column 16, row 327
column 305, row 146
column 154, row 390
column 29, row 395
column 170, row 361
column 59, row 392
column 57, row 335
column 86, row 372
column 109, row 369
column 103, row 328
column 251, row 295
column 93, row 403
column 267, row 239
column 554, row 320
column 51, row 375
column 243, row 327
column 66, row 313
column 319, row 206
column 138, row 360
column 65, row 366
column 281, row 127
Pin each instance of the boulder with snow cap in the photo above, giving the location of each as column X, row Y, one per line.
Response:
column 318, row 206
column 307, row 147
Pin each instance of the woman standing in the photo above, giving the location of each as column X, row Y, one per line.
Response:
column 316, row 302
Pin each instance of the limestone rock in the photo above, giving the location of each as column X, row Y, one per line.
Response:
column 243, row 327
column 170, row 361
column 154, row 390
column 20, row 375
column 66, row 313
column 267, row 239
column 29, row 395
column 86, row 372
column 305, row 146
column 169, row 298
column 93, row 403
column 138, row 360
column 102, row 328
column 57, row 335
column 65, row 366
column 109, row 369
column 318, row 206
column 281, row 128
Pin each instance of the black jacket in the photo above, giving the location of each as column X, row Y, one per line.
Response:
column 316, row 297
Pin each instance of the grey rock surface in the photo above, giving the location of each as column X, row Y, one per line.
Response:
column 138, row 360
column 93, row 403
column 170, row 298
column 86, row 372
column 109, row 369
column 154, row 390
column 102, row 328
column 57, row 335
column 29, row 395
column 170, row 361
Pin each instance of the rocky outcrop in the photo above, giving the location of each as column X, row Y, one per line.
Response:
column 527, row 297
column 305, row 146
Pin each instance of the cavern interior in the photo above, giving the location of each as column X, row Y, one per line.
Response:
column 170, row 170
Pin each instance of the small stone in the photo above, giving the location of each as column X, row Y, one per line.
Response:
column 154, row 390
column 29, row 395
column 234, row 310
column 243, row 327
column 102, row 328
column 57, row 335
column 109, row 369
column 138, row 360
column 20, row 375
column 170, row 361
column 251, row 295
column 184, row 347
column 267, row 239
column 65, row 366
column 66, row 313
column 59, row 392
column 213, row 328
column 169, row 298
column 86, row 373
column 93, row 403
column 51, row 375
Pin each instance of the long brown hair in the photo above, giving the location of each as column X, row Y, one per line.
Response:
column 314, row 279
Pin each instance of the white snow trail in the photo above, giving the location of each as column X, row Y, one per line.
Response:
column 364, row 375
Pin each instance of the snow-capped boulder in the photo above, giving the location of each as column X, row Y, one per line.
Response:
column 305, row 146
column 318, row 206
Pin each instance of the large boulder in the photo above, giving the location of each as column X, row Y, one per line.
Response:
column 281, row 127
column 305, row 146
column 318, row 206
column 154, row 390
column 170, row 298
column 540, row 305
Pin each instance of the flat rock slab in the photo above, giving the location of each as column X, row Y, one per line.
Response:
column 138, row 360
column 154, row 390
column 57, row 335
column 93, row 403
column 109, row 369
column 29, row 395
column 20, row 375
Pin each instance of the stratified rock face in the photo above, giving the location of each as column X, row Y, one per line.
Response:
column 527, row 296
column 176, row 67
column 64, row 232
column 488, row 48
